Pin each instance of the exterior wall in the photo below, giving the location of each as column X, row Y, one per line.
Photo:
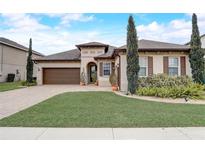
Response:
column 157, row 64
column 103, row 80
column 117, row 68
column 117, row 62
column 35, row 66
column 42, row 65
column 203, row 42
column 1, row 62
column 11, row 60
column 87, row 56
column 123, row 72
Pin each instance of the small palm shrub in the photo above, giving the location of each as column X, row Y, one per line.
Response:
column 170, row 87
column 113, row 79
column 83, row 77
column 94, row 76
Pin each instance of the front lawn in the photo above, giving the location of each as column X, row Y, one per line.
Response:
column 10, row 86
column 105, row 109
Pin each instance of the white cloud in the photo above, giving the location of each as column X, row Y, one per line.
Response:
column 176, row 31
column 48, row 40
column 23, row 21
column 152, row 27
column 67, row 18
column 180, row 24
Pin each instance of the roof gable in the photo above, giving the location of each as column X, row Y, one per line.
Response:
column 98, row 44
column 13, row 44
column 93, row 44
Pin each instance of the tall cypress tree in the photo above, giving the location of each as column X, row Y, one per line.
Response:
column 29, row 66
column 196, row 56
column 132, row 56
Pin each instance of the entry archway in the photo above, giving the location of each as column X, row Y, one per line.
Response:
column 92, row 72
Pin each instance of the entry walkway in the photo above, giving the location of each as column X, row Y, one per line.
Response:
column 178, row 133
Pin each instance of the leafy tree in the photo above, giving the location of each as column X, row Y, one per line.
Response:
column 29, row 66
column 196, row 56
column 132, row 56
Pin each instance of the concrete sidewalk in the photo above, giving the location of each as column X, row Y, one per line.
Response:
column 178, row 133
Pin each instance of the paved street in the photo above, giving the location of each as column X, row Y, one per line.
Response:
column 18, row 133
column 16, row 100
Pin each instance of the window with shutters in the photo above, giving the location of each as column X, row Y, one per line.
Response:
column 106, row 68
column 143, row 62
column 173, row 66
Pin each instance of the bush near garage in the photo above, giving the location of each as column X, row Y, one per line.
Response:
column 28, row 84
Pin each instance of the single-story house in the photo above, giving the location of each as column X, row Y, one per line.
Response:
column 101, row 59
column 13, row 59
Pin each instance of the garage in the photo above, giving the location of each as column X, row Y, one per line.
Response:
column 61, row 75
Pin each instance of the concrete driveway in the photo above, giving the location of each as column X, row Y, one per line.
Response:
column 16, row 100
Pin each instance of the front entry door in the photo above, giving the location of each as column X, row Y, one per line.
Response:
column 93, row 73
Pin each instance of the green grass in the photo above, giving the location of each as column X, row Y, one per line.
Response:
column 105, row 109
column 10, row 86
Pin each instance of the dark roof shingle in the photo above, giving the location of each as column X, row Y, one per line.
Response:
column 156, row 45
column 71, row 55
column 11, row 43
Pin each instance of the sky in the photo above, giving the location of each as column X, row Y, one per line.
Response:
column 53, row 33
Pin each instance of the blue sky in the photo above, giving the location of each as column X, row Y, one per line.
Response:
column 52, row 33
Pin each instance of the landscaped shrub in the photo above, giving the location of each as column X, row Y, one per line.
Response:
column 170, row 87
column 82, row 78
column 26, row 83
column 162, row 80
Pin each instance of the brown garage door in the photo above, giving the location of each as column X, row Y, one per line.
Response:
column 61, row 76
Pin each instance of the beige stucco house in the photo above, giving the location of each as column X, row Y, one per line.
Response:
column 13, row 59
column 100, row 59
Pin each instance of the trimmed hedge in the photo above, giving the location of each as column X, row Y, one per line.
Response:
column 170, row 87
column 162, row 80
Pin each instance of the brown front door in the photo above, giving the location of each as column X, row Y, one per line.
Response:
column 61, row 75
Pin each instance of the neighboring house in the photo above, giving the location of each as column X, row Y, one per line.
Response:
column 13, row 59
column 202, row 41
column 94, row 57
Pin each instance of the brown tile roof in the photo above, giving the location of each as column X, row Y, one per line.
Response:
column 13, row 44
column 156, row 45
column 71, row 55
